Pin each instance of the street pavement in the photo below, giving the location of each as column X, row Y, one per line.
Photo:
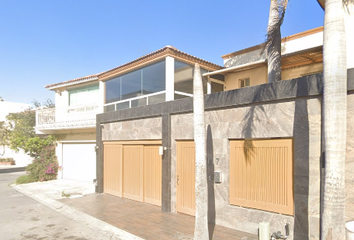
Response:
column 22, row 217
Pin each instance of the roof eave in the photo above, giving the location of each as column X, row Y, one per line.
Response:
column 70, row 83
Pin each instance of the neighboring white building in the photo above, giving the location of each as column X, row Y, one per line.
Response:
column 74, row 117
column 20, row 157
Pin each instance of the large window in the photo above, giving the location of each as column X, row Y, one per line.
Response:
column 83, row 96
column 140, row 82
column 184, row 78
column 261, row 174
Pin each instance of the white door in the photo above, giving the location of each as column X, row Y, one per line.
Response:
column 79, row 161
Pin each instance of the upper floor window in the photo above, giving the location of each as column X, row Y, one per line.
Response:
column 184, row 78
column 244, row 82
column 84, row 95
column 140, row 82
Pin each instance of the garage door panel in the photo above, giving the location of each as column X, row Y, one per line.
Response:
column 137, row 171
column 113, row 165
column 79, row 161
column 152, row 175
column 186, row 177
column 133, row 172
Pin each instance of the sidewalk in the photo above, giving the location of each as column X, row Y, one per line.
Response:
column 48, row 193
column 119, row 218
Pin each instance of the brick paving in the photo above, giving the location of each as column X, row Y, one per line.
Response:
column 145, row 220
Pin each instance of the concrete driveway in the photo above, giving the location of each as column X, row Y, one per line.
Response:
column 46, row 218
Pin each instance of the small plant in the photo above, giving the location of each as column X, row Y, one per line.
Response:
column 63, row 194
column 24, row 179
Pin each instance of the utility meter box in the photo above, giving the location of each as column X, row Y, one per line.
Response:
column 217, row 177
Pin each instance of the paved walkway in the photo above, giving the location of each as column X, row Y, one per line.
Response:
column 120, row 218
column 145, row 220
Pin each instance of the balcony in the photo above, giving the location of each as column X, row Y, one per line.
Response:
column 49, row 120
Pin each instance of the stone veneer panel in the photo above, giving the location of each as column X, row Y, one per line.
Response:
column 349, row 174
column 300, row 119
column 141, row 129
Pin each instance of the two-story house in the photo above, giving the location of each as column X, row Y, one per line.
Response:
column 263, row 140
column 163, row 75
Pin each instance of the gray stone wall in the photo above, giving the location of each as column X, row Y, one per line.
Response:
column 301, row 120
column 349, row 174
column 140, row 129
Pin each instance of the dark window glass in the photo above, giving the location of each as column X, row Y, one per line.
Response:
column 109, row 108
column 153, row 78
column 113, row 92
column 216, row 87
column 157, row 98
column 138, row 102
column 143, row 81
column 123, row 105
column 131, row 85
column 184, row 77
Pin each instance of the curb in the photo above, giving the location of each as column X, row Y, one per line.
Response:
column 110, row 231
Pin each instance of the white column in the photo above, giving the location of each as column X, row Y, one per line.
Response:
column 61, row 105
column 101, row 96
column 170, row 79
column 208, row 86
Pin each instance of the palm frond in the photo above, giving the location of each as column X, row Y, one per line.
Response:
column 348, row 5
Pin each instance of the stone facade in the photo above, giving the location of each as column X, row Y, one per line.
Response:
column 349, row 174
column 300, row 120
column 286, row 109
column 141, row 129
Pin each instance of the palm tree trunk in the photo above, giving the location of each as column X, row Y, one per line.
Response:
column 335, row 116
column 274, row 48
column 201, row 189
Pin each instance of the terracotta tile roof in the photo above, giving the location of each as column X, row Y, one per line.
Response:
column 88, row 78
column 155, row 56
column 139, row 62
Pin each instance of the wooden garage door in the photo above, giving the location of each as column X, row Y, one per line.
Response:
column 133, row 179
column 152, row 175
column 261, row 174
column 186, row 177
column 112, row 172
column 133, row 171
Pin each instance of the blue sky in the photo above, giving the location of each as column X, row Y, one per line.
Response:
column 44, row 42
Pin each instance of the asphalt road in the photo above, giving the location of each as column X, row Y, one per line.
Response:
column 23, row 218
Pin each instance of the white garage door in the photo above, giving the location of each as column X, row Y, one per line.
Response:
column 79, row 161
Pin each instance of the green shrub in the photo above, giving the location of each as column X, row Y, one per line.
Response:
column 24, row 179
column 45, row 166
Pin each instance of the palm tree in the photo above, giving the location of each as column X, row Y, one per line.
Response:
column 201, row 188
column 335, row 120
column 273, row 41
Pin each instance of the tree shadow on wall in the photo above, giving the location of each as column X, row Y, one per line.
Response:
column 210, row 177
column 301, row 142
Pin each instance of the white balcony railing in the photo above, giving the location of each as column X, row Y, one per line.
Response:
column 45, row 116
column 70, row 117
